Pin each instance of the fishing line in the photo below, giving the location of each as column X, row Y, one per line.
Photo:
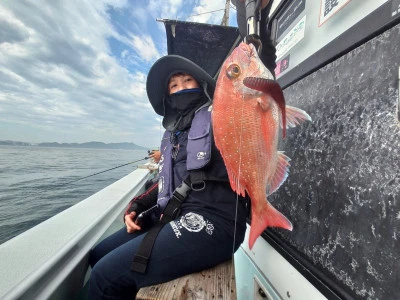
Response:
column 69, row 182
column 208, row 12
column 39, row 192
column 237, row 179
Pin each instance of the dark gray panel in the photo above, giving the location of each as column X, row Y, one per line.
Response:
column 342, row 193
column 205, row 44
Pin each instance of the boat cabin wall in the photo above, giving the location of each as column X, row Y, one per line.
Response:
column 343, row 189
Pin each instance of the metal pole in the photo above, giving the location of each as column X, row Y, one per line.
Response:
column 225, row 18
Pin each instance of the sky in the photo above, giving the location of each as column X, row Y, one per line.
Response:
column 74, row 71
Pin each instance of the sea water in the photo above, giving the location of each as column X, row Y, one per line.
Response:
column 36, row 183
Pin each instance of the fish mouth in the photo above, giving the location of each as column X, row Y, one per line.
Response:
column 249, row 48
column 259, row 70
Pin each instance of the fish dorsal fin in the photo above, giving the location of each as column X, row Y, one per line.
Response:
column 281, row 173
column 295, row 116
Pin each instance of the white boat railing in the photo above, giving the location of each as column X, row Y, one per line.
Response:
column 49, row 261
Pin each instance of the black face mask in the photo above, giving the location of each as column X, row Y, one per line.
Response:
column 180, row 108
column 185, row 100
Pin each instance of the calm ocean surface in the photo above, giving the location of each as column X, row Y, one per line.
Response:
column 34, row 181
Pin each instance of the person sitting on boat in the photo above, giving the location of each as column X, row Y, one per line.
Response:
column 212, row 220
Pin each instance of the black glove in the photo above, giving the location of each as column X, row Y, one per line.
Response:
column 143, row 201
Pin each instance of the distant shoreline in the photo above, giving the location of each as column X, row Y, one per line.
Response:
column 87, row 145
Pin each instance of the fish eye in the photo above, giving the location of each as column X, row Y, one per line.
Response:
column 233, row 71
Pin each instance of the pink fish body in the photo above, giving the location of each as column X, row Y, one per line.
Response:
column 248, row 110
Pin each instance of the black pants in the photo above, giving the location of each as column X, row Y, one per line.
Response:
column 189, row 244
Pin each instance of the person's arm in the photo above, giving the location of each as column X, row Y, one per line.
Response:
column 268, row 51
column 138, row 205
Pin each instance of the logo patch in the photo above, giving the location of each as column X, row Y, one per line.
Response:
column 201, row 155
column 192, row 222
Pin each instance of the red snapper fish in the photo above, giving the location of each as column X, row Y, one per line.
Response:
column 248, row 109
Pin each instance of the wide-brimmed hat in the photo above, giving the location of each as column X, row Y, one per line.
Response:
column 163, row 69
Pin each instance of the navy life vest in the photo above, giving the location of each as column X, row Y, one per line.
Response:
column 198, row 153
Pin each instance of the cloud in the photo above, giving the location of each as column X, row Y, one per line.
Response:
column 172, row 9
column 58, row 68
column 201, row 12
column 11, row 30
column 75, row 71
column 145, row 48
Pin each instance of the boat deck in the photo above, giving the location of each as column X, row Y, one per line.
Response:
column 214, row 283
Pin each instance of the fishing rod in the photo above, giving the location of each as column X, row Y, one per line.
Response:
column 106, row 170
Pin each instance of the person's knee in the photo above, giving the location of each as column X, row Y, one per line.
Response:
column 98, row 253
column 94, row 257
column 107, row 283
column 96, row 282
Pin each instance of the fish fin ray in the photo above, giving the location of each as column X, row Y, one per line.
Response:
column 281, row 173
column 235, row 184
column 268, row 216
column 295, row 116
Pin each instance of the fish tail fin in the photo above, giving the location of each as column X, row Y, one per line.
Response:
column 268, row 216
column 281, row 173
column 295, row 116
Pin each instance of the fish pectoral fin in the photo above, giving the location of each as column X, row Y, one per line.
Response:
column 281, row 173
column 236, row 186
column 295, row 116
column 272, row 88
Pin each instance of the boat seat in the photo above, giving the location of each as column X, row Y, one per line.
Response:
column 215, row 283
